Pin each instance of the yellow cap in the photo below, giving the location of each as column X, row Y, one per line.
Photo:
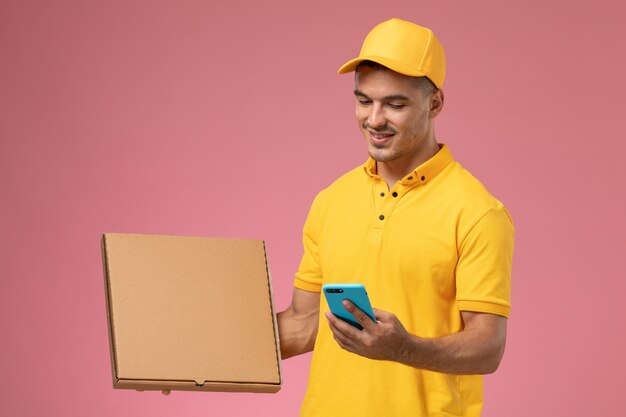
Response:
column 403, row 47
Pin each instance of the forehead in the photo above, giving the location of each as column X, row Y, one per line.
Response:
column 384, row 82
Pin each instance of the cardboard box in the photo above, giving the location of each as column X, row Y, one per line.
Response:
column 190, row 313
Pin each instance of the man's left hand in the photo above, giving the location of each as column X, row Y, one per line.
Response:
column 385, row 339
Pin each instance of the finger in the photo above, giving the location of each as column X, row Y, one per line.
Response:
column 345, row 342
column 364, row 320
column 378, row 312
column 340, row 326
column 381, row 315
column 342, row 332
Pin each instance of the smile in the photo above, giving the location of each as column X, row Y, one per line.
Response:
column 380, row 137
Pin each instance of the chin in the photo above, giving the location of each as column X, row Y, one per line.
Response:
column 380, row 155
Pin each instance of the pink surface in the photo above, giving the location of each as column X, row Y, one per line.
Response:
column 225, row 118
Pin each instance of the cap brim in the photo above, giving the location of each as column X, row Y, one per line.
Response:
column 393, row 65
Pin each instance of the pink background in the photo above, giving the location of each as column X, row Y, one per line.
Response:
column 225, row 118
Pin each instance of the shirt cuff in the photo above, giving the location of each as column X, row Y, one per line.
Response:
column 484, row 307
column 307, row 286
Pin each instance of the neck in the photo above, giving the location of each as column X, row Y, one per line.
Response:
column 395, row 170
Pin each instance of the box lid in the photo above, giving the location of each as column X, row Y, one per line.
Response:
column 190, row 309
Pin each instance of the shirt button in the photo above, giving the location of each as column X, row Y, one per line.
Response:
column 381, row 217
column 382, row 194
column 394, row 194
column 423, row 178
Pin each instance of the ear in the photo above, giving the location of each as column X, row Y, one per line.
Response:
column 436, row 103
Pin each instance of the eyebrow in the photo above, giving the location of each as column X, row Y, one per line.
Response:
column 386, row 98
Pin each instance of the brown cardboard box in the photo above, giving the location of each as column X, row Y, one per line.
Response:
column 190, row 313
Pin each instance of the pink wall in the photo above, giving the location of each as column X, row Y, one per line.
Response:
column 225, row 118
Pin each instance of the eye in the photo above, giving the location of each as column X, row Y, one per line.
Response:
column 397, row 106
column 364, row 101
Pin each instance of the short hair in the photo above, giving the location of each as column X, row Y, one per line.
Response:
column 422, row 83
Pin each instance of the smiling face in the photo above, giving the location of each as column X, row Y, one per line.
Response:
column 396, row 117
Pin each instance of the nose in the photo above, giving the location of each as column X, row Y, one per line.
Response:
column 376, row 118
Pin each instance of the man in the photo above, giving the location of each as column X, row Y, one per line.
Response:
column 430, row 244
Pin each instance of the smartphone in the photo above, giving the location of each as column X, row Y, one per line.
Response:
column 336, row 293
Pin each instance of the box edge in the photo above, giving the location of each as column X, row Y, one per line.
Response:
column 107, row 292
column 274, row 317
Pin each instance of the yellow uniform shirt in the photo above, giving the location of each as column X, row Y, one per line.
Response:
column 434, row 245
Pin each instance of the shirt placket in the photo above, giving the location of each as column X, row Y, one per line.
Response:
column 385, row 201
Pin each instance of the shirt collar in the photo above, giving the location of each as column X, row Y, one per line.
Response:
column 423, row 173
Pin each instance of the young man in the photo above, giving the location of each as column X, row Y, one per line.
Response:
column 430, row 244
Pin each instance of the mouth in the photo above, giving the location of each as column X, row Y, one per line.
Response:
column 380, row 138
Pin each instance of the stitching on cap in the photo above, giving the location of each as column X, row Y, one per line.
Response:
column 430, row 37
